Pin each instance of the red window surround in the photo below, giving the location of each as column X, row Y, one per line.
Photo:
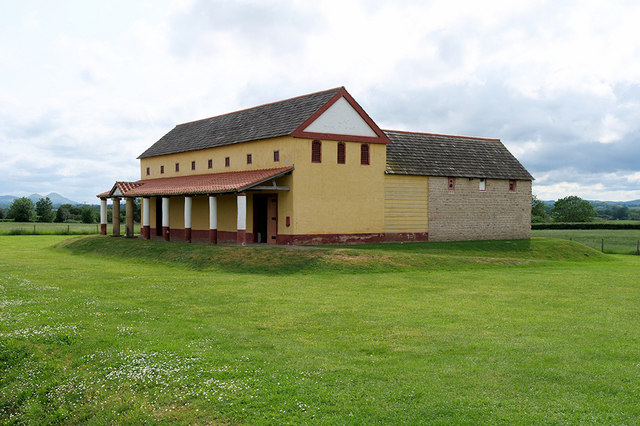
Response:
column 316, row 152
column 512, row 186
column 210, row 164
column 364, row 154
column 249, row 159
column 227, row 161
column 276, row 156
column 451, row 183
column 193, row 165
column 342, row 154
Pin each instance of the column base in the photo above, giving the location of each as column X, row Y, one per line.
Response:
column 146, row 232
column 103, row 229
column 187, row 234
column 241, row 237
column 213, row 236
column 166, row 233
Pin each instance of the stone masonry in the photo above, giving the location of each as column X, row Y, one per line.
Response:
column 466, row 213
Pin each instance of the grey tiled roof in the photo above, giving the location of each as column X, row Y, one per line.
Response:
column 266, row 121
column 454, row 156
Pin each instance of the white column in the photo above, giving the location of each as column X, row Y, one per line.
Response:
column 165, row 212
column 166, row 231
column 103, row 211
column 187, row 212
column 103, row 216
column 213, row 219
column 213, row 212
column 241, row 233
column 242, row 212
column 146, row 222
column 187, row 219
column 146, row 213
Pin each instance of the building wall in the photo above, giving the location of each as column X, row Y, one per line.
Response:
column 324, row 198
column 332, row 198
column 405, row 204
column 261, row 152
column 466, row 213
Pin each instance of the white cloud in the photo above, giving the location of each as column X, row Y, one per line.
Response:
column 87, row 87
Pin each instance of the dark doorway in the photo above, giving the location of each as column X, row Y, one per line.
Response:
column 265, row 218
column 159, row 216
column 260, row 218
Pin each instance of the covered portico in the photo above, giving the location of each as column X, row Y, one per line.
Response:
column 197, row 196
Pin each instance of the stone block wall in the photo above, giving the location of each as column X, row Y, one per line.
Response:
column 467, row 213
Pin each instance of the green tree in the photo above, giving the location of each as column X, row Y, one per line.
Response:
column 1, row 213
column 539, row 212
column 62, row 214
column 44, row 210
column 22, row 210
column 572, row 209
column 620, row 212
column 88, row 214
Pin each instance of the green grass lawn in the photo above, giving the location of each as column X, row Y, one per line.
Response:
column 622, row 241
column 104, row 330
column 40, row 228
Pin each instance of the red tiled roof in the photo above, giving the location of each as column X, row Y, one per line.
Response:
column 214, row 183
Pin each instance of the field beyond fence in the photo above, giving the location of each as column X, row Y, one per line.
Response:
column 41, row 228
column 614, row 241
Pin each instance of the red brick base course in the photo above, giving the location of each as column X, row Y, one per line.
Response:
column 215, row 236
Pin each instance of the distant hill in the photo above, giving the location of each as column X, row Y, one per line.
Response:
column 56, row 199
column 6, row 200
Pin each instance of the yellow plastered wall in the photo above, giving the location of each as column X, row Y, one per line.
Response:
column 323, row 198
column 338, row 198
column 405, row 203
column 261, row 153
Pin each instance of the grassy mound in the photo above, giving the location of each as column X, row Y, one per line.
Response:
column 353, row 258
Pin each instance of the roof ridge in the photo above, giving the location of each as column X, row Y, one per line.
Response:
column 442, row 134
column 260, row 106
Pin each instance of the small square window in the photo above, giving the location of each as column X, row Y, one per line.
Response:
column 451, row 183
column 249, row 159
column 148, row 171
column 193, row 165
column 177, row 167
column 210, row 164
column 512, row 186
column 161, row 169
column 276, row 156
column 482, row 185
column 227, row 161
column 364, row 154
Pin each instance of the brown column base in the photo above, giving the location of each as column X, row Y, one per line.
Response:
column 166, row 233
column 146, row 232
column 103, row 229
column 213, row 236
column 187, row 234
column 241, row 237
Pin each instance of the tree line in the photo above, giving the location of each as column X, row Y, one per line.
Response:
column 24, row 210
column 575, row 209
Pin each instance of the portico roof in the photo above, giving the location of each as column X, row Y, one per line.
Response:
column 215, row 183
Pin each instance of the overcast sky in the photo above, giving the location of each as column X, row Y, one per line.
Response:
column 87, row 86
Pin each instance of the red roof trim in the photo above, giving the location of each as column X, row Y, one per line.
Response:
column 440, row 134
column 212, row 183
column 260, row 106
column 381, row 138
